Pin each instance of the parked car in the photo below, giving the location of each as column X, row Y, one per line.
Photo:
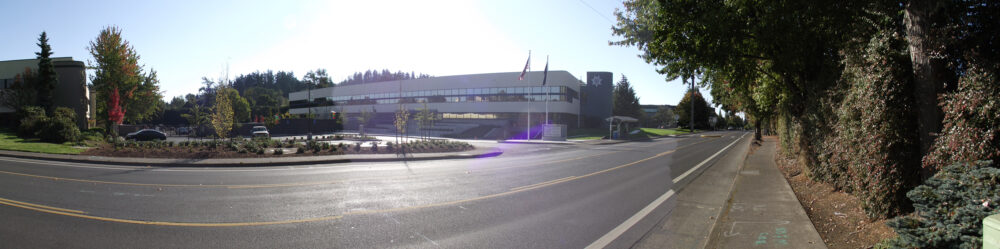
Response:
column 146, row 135
column 260, row 131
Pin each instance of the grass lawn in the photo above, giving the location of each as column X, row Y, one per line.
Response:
column 586, row 134
column 9, row 141
column 664, row 132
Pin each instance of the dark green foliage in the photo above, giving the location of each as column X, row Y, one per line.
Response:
column 32, row 119
column 971, row 121
column 61, row 127
column 47, row 77
column 701, row 111
column 871, row 148
column 950, row 208
column 279, row 151
column 623, row 100
column 300, row 150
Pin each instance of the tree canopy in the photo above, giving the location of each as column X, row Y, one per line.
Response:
column 851, row 87
column 117, row 69
column 701, row 111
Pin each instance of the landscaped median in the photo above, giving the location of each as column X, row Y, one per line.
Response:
column 244, row 148
column 265, row 152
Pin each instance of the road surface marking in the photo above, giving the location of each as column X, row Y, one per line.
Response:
column 544, row 183
column 75, row 213
column 605, row 240
column 696, row 167
column 13, row 202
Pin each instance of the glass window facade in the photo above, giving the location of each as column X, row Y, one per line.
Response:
column 507, row 94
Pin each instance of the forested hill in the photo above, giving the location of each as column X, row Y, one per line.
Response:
column 286, row 82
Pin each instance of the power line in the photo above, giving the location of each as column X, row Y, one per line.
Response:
column 597, row 12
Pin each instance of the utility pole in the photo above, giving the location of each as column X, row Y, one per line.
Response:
column 692, row 104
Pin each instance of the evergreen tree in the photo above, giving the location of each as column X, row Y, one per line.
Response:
column 47, row 77
column 624, row 101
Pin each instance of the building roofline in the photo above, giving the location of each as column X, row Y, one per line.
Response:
column 67, row 58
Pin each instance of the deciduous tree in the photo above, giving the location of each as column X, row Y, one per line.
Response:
column 222, row 117
column 117, row 70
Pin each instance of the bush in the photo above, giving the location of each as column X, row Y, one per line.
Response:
column 375, row 146
column 971, row 116
column 98, row 130
column 313, row 146
column 59, row 130
column 300, row 150
column 357, row 147
column 950, row 208
column 32, row 120
column 279, row 151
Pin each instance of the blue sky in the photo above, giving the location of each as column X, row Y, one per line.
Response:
column 186, row 40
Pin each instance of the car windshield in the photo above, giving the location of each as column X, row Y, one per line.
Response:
column 499, row 124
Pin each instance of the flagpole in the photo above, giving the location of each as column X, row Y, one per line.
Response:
column 546, row 90
column 529, row 99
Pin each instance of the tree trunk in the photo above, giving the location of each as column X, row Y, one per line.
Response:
column 756, row 132
column 929, row 73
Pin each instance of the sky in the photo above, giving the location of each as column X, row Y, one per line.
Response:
column 187, row 40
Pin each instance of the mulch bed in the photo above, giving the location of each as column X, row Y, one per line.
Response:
column 836, row 215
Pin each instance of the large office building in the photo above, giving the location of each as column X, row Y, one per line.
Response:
column 71, row 92
column 492, row 105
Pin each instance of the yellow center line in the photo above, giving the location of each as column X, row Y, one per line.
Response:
column 9, row 201
column 75, row 213
column 543, row 183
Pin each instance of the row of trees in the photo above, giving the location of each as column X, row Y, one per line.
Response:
column 873, row 97
column 626, row 103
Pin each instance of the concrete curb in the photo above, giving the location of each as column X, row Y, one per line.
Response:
column 252, row 162
column 729, row 199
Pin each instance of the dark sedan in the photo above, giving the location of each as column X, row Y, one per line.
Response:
column 146, row 135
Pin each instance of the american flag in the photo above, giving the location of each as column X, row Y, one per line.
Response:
column 527, row 65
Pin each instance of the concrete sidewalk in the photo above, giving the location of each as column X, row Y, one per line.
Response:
column 762, row 211
column 697, row 205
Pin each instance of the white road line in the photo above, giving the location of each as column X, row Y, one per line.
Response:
column 696, row 167
column 605, row 240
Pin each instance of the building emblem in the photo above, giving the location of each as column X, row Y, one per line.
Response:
column 596, row 80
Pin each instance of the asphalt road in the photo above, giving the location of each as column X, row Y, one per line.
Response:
column 533, row 196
